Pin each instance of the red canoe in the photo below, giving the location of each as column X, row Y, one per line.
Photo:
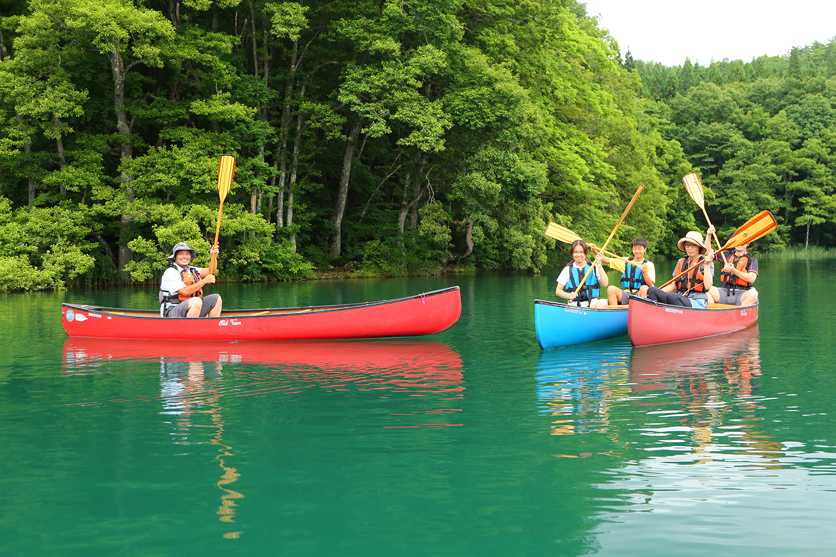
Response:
column 423, row 314
column 650, row 322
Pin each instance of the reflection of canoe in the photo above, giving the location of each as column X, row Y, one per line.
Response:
column 654, row 323
column 652, row 367
column 393, row 362
column 558, row 325
column 424, row 314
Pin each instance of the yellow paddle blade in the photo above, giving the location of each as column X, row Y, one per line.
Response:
column 561, row 233
column 694, row 188
column 757, row 227
column 226, row 169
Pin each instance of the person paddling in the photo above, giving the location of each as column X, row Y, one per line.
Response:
column 739, row 273
column 691, row 289
column 181, row 288
column 572, row 275
column 636, row 276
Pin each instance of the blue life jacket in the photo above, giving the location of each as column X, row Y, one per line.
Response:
column 590, row 288
column 632, row 278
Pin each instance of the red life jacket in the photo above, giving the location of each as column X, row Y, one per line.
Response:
column 693, row 281
column 731, row 281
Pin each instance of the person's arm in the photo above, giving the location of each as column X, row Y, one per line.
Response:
column 205, row 270
column 603, row 279
column 748, row 275
column 708, row 271
column 649, row 273
column 561, row 293
column 190, row 289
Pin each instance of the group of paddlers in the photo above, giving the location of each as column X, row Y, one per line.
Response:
column 692, row 284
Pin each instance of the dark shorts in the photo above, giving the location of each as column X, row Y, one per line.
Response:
column 182, row 308
column 731, row 299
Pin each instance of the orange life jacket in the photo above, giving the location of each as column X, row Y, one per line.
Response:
column 190, row 276
column 731, row 281
column 693, row 281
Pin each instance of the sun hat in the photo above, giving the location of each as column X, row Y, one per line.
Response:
column 693, row 237
column 182, row 246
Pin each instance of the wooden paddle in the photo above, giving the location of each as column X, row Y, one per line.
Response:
column 614, row 230
column 563, row 234
column 693, row 186
column 226, row 169
column 757, row 227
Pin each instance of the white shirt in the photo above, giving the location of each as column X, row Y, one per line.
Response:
column 171, row 283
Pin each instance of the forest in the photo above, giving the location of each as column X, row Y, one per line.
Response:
column 381, row 138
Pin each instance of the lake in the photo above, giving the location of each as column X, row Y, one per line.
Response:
column 469, row 442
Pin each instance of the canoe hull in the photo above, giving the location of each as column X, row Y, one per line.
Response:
column 557, row 325
column 652, row 323
column 424, row 314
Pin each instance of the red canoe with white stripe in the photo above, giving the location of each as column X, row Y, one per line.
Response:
column 650, row 322
column 423, row 314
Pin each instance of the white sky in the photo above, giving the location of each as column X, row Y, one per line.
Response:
column 668, row 31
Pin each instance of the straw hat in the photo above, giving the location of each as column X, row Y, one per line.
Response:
column 693, row 237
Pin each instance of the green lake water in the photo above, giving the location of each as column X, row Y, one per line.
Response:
column 469, row 442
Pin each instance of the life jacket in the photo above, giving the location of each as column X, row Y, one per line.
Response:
column 632, row 278
column 693, row 281
column 590, row 288
column 189, row 275
column 732, row 282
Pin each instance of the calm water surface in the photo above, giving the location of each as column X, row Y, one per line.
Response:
column 470, row 442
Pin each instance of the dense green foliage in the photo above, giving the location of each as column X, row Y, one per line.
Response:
column 390, row 137
column 762, row 135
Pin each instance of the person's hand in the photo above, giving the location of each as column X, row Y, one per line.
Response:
column 214, row 250
column 599, row 258
column 644, row 268
column 709, row 255
column 572, row 296
column 711, row 230
column 209, row 279
column 728, row 268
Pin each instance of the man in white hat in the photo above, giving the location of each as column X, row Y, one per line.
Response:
column 181, row 288
column 690, row 289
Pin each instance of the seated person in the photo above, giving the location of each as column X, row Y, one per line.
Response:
column 181, row 288
column 739, row 273
column 691, row 289
column 634, row 278
column 572, row 275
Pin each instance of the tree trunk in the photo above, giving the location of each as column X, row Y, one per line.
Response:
column 123, row 127
column 807, row 240
column 468, row 240
column 281, row 154
column 294, row 169
column 342, row 191
column 59, row 145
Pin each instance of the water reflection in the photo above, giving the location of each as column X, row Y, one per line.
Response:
column 201, row 380
column 701, row 394
column 577, row 385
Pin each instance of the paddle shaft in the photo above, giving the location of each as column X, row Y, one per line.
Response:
column 614, row 230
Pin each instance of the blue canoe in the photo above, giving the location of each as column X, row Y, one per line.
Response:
column 559, row 325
